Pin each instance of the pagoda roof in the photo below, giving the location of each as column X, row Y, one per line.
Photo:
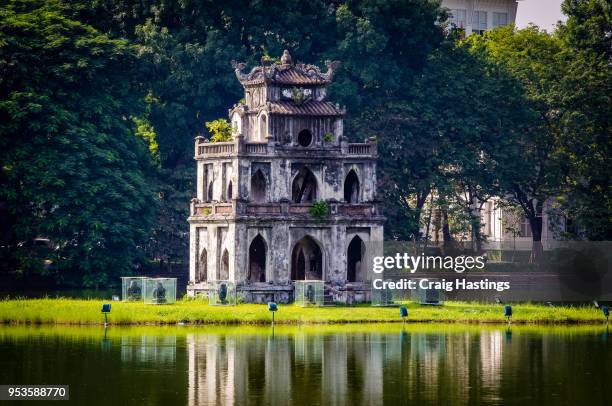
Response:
column 309, row 108
column 286, row 73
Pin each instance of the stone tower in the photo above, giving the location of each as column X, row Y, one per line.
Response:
column 252, row 221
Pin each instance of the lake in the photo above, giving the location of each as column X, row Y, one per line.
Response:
column 424, row 364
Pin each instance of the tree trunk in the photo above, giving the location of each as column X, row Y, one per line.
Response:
column 421, row 199
column 428, row 223
column 535, row 222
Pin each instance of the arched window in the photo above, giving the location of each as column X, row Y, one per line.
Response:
column 258, row 187
column 306, row 260
column 304, row 188
column 224, row 270
column 257, row 260
column 230, row 191
column 210, row 191
column 354, row 260
column 351, row 187
column 263, row 127
column 202, row 272
column 305, row 138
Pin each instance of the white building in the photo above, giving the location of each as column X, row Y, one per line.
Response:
column 477, row 16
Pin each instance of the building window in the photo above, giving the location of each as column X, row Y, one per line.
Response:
column 305, row 138
column 202, row 275
column 258, row 187
column 354, row 260
column 351, row 188
column 224, row 269
column 500, row 19
column 304, row 188
column 525, row 228
column 210, row 192
column 458, row 18
column 229, row 193
column 263, row 127
column 479, row 22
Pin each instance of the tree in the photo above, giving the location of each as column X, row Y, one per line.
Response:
column 448, row 135
column 73, row 170
column 588, row 26
column 383, row 46
column 585, row 94
column 220, row 130
column 186, row 49
column 536, row 173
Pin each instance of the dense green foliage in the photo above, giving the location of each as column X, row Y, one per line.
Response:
column 72, row 169
column 100, row 101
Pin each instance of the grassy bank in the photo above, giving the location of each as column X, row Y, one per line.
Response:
column 73, row 311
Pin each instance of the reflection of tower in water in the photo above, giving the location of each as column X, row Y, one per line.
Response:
column 491, row 353
column 214, row 372
column 323, row 369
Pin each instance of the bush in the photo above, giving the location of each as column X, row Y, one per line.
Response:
column 220, row 130
column 319, row 210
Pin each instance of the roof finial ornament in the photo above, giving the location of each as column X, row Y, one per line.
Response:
column 286, row 58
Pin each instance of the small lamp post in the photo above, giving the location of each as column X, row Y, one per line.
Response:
column 508, row 313
column 606, row 312
column 272, row 307
column 403, row 313
column 106, row 308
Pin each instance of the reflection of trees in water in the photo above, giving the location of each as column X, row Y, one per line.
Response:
column 470, row 365
column 155, row 349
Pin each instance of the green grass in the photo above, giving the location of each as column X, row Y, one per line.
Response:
column 83, row 312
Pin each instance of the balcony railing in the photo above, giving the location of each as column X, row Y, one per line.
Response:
column 364, row 209
column 263, row 208
column 256, row 148
column 360, row 149
column 207, row 209
column 239, row 146
column 225, row 209
column 215, row 148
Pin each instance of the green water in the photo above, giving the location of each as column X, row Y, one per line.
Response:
column 356, row 365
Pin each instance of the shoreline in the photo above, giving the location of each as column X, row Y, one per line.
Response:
column 199, row 313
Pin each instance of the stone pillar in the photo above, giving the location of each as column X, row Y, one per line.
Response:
column 373, row 146
column 239, row 140
column 198, row 140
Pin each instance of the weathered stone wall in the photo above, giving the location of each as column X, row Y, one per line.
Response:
column 267, row 149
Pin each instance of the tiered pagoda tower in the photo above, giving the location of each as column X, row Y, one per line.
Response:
column 252, row 221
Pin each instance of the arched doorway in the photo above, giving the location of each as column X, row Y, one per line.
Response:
column 306, row 260
column 258, row 187
column 202, row 273
column 304, row 188
column 257, row 260
column 351, row 187
column 354, row 260
column 224, row 270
